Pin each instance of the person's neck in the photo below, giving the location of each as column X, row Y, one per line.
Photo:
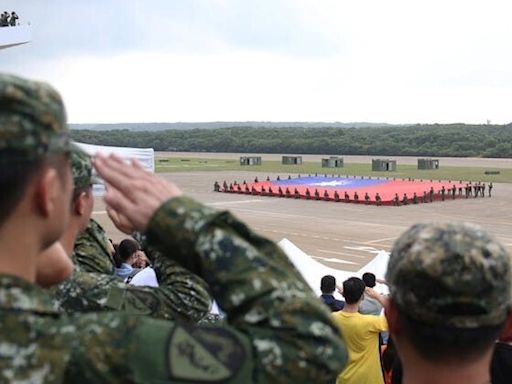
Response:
column 68, row 239
column 351, row 308
column 419, row 371
column 19, row 250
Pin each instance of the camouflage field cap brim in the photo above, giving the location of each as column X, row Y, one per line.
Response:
column 451, row 274
column 81, row 168
column 32, row 119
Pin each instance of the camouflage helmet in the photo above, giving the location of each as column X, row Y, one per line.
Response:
column 451, row 274
column 81, row 168
column 32, row 119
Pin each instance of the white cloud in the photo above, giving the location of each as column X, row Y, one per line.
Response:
column 396, row 61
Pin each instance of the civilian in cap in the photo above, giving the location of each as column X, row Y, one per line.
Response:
column 450, row 290
column 277, row 330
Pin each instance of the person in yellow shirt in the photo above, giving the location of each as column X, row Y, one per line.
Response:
column 361, row 335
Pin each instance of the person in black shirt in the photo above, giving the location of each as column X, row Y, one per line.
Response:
column 328, row 286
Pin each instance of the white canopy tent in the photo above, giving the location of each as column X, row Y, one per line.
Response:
column 313, row 271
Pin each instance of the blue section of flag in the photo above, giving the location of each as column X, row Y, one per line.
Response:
column 330, row 182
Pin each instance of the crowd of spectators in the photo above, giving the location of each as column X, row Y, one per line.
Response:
column 449, row 301
column 8, row 20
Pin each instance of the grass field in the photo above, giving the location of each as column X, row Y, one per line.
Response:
column 189, row 164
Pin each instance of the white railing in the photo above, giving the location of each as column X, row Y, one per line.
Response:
column 11, row 36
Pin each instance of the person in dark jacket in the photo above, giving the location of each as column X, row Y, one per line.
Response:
column 328, row 286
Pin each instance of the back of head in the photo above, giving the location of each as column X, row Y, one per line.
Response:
column 451, row 284
column 369, row 279
column 353, row 289
column 33, row 129
column 125, row 250
column 81, row 169
column 328, row 284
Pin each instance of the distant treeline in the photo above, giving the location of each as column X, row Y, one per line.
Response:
column 457, row 140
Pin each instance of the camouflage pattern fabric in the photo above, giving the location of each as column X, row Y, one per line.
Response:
column 81, row 168
column 277, row 330
column 437, row 270
column 91, row 253
column 32, row 118
column 180, row 296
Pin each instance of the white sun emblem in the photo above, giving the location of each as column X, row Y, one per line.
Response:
column 334, row 183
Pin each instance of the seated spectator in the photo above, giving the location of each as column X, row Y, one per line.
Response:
column 449, row 299
column 361, row 335
column 145, row 275
column 126, row 254
column 369, row 305
column 328, row 286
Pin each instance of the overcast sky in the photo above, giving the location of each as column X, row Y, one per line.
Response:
column 271, row 60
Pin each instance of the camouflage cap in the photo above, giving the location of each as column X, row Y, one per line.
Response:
column 451, row 274
column 32, row 119
column 81, row 167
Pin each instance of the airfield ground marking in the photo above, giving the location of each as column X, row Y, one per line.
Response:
column 284, row 215
column 379, row 240
column 341, row 253
column 233, row 202
column 305, row 235
column 334, row 261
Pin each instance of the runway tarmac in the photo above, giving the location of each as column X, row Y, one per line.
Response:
column 342, row 236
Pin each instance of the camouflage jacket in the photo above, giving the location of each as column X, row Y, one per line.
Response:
column 181, row 294
column 91, row 253
column 277, row 330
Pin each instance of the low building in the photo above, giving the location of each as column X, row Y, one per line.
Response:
column 332, row 162
column 250, row 160
column 428, row 163
column 383, row 165
column 292, row 160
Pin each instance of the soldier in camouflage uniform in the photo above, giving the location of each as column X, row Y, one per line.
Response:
column 181, row 294
column 450, row 290
column 93, row 251
column 277, row 331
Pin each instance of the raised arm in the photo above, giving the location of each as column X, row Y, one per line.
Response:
column 267, row 302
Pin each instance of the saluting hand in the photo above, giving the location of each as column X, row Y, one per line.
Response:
column 133, row 194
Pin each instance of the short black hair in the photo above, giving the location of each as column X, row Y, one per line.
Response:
column 369, row 279
column 14, row 179
column 328, row 284
column 442, row 343
column 124, row 250
column 353, row 289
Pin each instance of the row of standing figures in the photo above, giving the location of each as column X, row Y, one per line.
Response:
column 475, row 190
column 7, row 19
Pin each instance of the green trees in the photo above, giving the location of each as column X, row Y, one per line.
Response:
column 416, row 140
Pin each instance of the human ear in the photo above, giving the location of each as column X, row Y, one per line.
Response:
column 48, row 191
column 80, row 203
column 391, row 313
